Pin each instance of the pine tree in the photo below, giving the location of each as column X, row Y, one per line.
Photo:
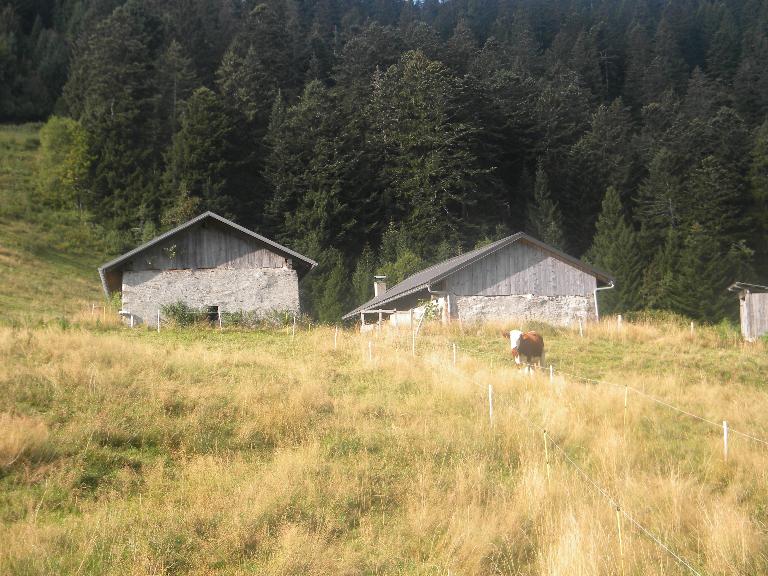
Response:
column 661, row 202
column 112, row 90
column 362, row 278
column 333, row 300
column 427, row 150
column 544, row 220
column 199, row 162
column 615, row 250
column 699, row 287
column 758, row 178
column 176, row 80
column 660, row 274
column 604, row 156
column 723, row 51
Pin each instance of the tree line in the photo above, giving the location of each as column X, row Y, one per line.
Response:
column 380, row 136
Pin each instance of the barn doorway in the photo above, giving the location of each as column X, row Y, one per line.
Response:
column 213, row 315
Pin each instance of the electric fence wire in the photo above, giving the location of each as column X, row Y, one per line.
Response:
column 587, row 478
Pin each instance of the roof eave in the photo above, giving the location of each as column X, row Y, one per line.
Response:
column 393, row 298
column 165, row 235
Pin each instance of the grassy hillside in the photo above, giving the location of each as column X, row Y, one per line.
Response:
column 48, row 258
column 251, row 452
column 207, row 452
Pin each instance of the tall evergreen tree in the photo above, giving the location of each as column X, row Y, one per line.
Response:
column 176, row 80
column 758, row 178
column 544, row 219
column 122, row 124
column 362, row 278
column 429, row 166
column 698, row 288
column 615, row 249
column 200, row 160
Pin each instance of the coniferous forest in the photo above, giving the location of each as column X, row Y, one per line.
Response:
column 379, row 136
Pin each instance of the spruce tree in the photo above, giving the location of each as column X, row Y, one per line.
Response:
column 176, row 81
column 758, row 179
column 615, row 250
column 200, row 160
column 544, row 219
column 112, row 90
column 699, row 286
column 333, row 298
column 362, row 278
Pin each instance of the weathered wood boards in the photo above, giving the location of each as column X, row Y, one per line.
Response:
column 754, row 314
column 207, row 246
column 520, row 268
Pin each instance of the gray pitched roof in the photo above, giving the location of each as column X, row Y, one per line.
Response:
column 115, row 264
column 425, row 278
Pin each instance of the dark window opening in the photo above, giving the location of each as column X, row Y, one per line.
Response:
column 213, row 315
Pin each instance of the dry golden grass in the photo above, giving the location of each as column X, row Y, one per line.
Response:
column 207, row 452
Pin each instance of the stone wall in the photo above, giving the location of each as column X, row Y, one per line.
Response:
column 258, row 290
column 557, row 310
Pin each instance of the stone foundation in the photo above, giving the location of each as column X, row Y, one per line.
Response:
column 556, row 310
column 257, row 290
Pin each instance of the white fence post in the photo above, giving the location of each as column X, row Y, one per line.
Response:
column 293, row 330
column 219, row 312
column 551, row 374
column 581, row 328
column 490, row 403
column 725, row 440
column 618, row 321
column 691, row 327
column 626, row 394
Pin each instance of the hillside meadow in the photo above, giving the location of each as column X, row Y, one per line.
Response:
column 199, row 451
column 48, row 256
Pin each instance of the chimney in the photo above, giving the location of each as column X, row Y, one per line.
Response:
column 379, row 285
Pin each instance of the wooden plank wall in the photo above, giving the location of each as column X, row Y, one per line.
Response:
column 207, row 246
column 520, row 268
column 754, row 315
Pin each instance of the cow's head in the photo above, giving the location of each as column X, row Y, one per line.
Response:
column 514, row 342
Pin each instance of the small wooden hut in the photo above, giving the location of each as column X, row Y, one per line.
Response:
column 753, row 309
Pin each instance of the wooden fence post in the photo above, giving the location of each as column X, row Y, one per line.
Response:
column 621, row 542
column 626, row 394
column 335, row 337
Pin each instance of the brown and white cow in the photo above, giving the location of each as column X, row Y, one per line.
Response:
column 527, row 346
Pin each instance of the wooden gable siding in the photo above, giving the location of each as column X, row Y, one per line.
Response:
column 207, row 246
column 520, row 268
column 754, row 314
